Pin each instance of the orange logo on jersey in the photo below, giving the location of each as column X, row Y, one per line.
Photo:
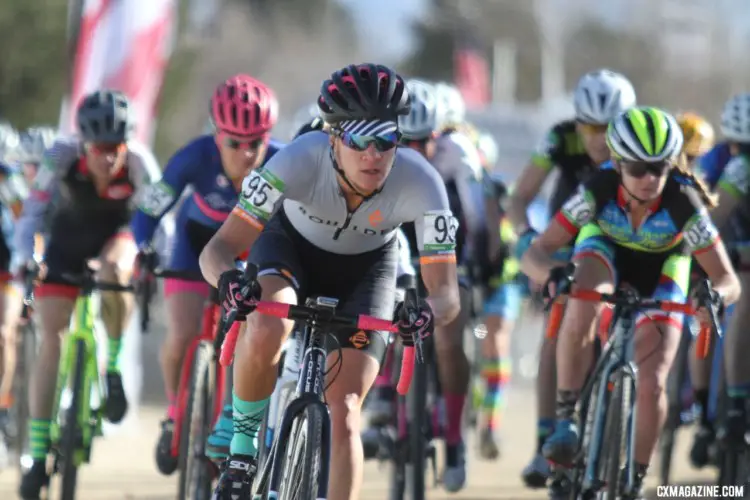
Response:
column 359, row 339
column 375, row 218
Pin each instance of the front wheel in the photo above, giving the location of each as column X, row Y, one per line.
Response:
column 301, row 457
column 616, row 432
column 195, row 474
column 71, row 429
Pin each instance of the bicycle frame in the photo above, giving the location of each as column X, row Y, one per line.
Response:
column 310, row 389
column 618, row 354
column 82, row 331
column 317, row 316
column 211, row 314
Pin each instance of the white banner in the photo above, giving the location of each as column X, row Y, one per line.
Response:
column 123, row 45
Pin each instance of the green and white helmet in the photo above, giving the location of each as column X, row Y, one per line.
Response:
column 644, row 134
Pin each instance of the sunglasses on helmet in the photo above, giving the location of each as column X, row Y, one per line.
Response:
column 639, row 169
column 382, row 142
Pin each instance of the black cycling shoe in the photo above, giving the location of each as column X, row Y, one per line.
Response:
column 34, row 480
column 637, row 492
column 700, row 452
column 236, row 481
column 560, row 485
column 165, row 461
column 117, row 404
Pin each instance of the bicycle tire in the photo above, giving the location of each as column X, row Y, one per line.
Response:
column 194, row 481
column 398, row 447
column 70, row 431
column 588, row 402
column 616, row 432
column 417, row 422
column 304, row 443
column 26, row 357
column 674, row 412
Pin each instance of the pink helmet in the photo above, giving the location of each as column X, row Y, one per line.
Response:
column 244, row 106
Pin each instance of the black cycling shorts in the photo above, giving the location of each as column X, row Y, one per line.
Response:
column 363, row 283
column 68, row 252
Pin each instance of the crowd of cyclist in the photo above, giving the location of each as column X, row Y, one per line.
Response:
column 641, row 197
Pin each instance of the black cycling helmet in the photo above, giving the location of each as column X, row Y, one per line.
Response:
column 363, row 92
column 311, row 126
column 105, row 116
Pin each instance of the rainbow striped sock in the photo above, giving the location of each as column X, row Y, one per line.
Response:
column 496, row 374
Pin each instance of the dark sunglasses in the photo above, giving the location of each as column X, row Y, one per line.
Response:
column 246, row 144
column 382, row 143
column 592, row 128
column 103, row 148
column 639, row 169
column 414, row 143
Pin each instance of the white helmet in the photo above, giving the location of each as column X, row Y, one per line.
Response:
column 422, row 119
column 735, row 118
column 451, row 105
column 487, row 146
column 304, row 116
column 601, row 95
column 33, row 142
column 9, row 141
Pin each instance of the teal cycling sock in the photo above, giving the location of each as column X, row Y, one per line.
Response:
column 39, row 437
column 224, row 423
column 246, row 419
column 114, row 346
column 739, row 391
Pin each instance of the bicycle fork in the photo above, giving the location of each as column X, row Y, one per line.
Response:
column 88, row 418
column 309, row 393
column 617, row 357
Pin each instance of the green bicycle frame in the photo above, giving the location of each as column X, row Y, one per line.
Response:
column 89, row 421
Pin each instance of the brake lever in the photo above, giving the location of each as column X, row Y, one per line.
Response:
column 411, row 305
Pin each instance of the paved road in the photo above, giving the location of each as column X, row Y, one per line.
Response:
column 123, row 467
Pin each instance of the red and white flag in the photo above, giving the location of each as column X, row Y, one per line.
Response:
column 123, row 45
column 472, row 74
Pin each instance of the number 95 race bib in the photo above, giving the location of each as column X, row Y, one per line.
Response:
column 440, row 229
column 261, row 191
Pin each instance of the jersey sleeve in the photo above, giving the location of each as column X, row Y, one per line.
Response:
column 13, row 189
column 698, row 232
column 545, row 152
column 580, row 209
column 735, row 179
column 160, row 192
column 35, row 216
column 290, row 174
column 434, row 223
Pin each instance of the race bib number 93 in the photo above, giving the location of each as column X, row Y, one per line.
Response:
column 261, row 191
column 440, row 229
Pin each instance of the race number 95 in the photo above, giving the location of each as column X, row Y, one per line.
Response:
column 256, row 190
column 261, row 191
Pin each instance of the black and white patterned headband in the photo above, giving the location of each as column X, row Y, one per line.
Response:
column 368, row 127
